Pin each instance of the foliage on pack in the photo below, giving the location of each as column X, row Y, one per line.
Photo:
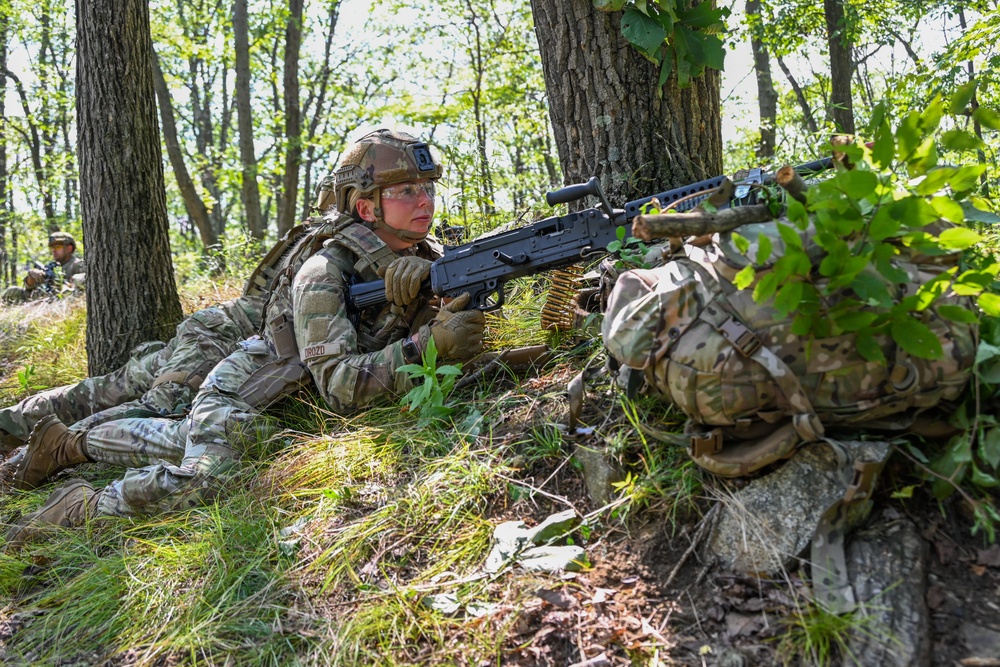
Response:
column 862, row 218
column 674, row 34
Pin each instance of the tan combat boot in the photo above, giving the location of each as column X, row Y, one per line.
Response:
column 51, row 447
column 69, row 506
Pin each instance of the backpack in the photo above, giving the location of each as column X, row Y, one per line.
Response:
column 751, row 389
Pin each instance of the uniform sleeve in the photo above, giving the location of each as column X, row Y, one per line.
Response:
column 76, row 272
column 328, row 342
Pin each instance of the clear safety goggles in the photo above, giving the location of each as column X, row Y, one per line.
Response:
column 409, row 192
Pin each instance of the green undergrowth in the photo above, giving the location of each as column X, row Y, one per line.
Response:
column 338, row 534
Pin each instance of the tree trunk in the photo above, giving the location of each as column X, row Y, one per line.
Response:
column 841, row 66
column 293, row 129
column 4, row 264
column 193, row 203
column 767, row 97
column 607, row 116
column 131, row 296
column 244, row 119
column 808, row 119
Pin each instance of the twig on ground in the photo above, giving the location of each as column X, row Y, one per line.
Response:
column 703, row 530
column 551, row 496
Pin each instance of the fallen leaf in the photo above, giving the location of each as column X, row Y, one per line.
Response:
column 557, row 598
column 989, row 557
column 979, row 570
column 602, row 595
column 935, row 597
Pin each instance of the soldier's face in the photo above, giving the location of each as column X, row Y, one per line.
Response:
column 409, row 206
column 60, row 252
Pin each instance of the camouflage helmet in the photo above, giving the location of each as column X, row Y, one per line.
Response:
column 61, row 238
column 325, row 195
column 381, row 158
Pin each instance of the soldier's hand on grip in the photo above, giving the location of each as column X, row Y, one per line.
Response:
column 403, row 278
column 458, row 333
column 34, row 278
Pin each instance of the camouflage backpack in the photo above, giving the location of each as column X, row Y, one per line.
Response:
column 751, row 389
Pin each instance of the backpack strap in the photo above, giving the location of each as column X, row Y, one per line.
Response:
column 371, row 251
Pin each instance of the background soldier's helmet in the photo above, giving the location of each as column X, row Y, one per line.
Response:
column 61, row 238
column 382, row 158
column 326, row 197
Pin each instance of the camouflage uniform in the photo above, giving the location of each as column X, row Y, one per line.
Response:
column 352, row 358
column 158, row 378
column 74, row 274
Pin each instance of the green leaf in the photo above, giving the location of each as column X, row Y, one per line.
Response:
column 855, row 321
column 960, row 100
column 935, row 180
column 877, row 119
column 949, row 209
column 987, row 117
column 957, row 314
column 614, row 246
column 931, row 117
column 789, row 236
column 643, row 32
column 764, row 249
column 788, row 297
column 741, row 242
column 908, row 135
column 797, row 211
column 966, row 178
column 857, row 184
column 884, row 148
column 871, row 290
column 765, row 287
column 883, row 225
column 745, row 277
column 914, row 212
column 666, row 67
column 989, row 447
column 958, row 238
column 869, row 348
column 960, row 140
column 702, row 15
column 916, row 338
column 989, row 303
column 905, row 492
column 976, row 214
column 982, row 479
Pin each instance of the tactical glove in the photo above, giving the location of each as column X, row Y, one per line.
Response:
column 458, row 333
column 34, row 278
column 403, row 278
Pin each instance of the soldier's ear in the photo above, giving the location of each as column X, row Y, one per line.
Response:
column 366, row 209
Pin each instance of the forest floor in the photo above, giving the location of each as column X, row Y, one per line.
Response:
column 365, row 541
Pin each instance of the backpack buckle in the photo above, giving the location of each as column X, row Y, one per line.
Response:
column 706, row 444
column 740, row 336
column 863, row 482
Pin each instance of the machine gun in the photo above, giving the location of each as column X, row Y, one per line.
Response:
column 482, row 267
column 49, row 284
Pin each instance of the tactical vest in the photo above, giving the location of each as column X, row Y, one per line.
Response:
column 275, row 275
column 751, row 389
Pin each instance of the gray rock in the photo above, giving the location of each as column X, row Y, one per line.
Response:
column 887, row 565
column 598, row 474
column 766, row 525
column 981, row 642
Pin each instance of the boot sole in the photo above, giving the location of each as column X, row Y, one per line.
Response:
column 13, row 535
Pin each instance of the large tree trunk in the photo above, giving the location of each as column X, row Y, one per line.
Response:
column 131, row 296
column 4, row 264
column 193, row 203
column 841, row 67
column 607, row 116
column 244, row 119
column 767, row 96
column 293, row 123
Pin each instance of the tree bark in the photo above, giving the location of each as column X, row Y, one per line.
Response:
column 767, row 96
column 4, row 264
column 608, row 118
column 841, row 67
column 193, row 203
column 131, row 296
column 293, row 122
column 244, row 119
